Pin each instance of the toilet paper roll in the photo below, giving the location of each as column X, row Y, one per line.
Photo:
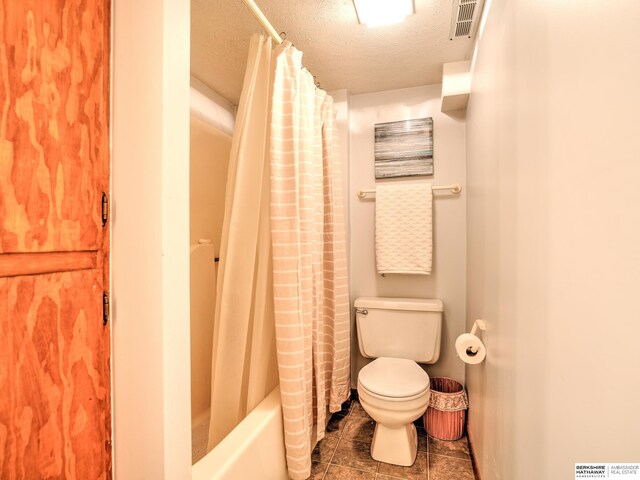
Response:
column 470, row 349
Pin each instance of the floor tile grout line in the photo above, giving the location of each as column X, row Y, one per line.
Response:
column 391, row 476
column 428, row 455
column 451, row 456
column 325, row 471
column 337, row 445
column 351, row 468
column 427, row 458
column 468, row 456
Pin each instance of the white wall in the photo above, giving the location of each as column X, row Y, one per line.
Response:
column 553, row 235
column 150, row 242
column 448, row 281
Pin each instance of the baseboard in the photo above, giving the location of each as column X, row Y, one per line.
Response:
column 474, row 463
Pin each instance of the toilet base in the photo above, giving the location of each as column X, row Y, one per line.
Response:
column 395, row 445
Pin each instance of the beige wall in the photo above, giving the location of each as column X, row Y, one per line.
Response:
column 553, row 235
column 209, row 159
column 448, row 280
column 150, row 240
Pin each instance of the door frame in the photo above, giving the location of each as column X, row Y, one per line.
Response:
column 150, row 239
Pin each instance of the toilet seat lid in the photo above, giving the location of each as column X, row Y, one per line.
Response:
column 394, row 377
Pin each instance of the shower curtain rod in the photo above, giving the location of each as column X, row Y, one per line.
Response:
column 264, row 21
column 266, row 24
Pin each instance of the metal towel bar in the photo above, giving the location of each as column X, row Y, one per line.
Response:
column 455, row 189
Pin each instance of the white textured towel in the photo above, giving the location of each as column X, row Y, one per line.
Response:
column 404, row 241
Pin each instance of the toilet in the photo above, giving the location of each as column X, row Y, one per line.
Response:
column 394, row 390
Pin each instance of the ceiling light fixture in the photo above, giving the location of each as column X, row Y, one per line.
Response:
column 375, row 13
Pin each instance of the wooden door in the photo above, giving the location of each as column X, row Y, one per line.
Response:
column 55, row 410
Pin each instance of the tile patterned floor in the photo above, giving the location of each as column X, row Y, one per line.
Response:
column 344, row 453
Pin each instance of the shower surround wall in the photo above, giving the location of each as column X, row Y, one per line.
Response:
column 448, row 280
column 209, row 158
column 553, row 235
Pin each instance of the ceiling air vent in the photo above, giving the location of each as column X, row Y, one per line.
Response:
column 465, row 19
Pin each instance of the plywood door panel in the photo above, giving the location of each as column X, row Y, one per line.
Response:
column 13, row 264
column 54, row 377
column 54, row 141
column 55, row 416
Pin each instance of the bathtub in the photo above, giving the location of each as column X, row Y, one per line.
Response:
column 254, row 449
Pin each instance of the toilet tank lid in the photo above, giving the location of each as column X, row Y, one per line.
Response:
column 386, row 303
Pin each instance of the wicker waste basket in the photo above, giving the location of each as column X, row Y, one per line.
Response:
column 448, row 403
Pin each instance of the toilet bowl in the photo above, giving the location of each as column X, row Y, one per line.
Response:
column 394, row 392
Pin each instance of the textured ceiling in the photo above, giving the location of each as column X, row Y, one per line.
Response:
column 340, row 52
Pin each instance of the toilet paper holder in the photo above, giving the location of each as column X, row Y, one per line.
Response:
column 477, row 325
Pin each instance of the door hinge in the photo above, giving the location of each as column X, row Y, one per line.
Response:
column 105, row 208
column 105, row 309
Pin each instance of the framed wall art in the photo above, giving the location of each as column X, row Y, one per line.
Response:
column 404, row 148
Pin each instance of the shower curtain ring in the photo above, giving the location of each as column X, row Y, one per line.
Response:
column 283, row 36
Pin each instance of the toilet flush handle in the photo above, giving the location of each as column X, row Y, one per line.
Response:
column 362, row 311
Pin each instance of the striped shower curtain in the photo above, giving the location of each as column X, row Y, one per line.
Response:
column 282, row 277
column 311, row 299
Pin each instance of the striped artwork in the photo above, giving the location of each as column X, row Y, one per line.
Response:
column 404, row 148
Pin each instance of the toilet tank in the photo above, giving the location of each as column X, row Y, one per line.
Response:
column 408, row 328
